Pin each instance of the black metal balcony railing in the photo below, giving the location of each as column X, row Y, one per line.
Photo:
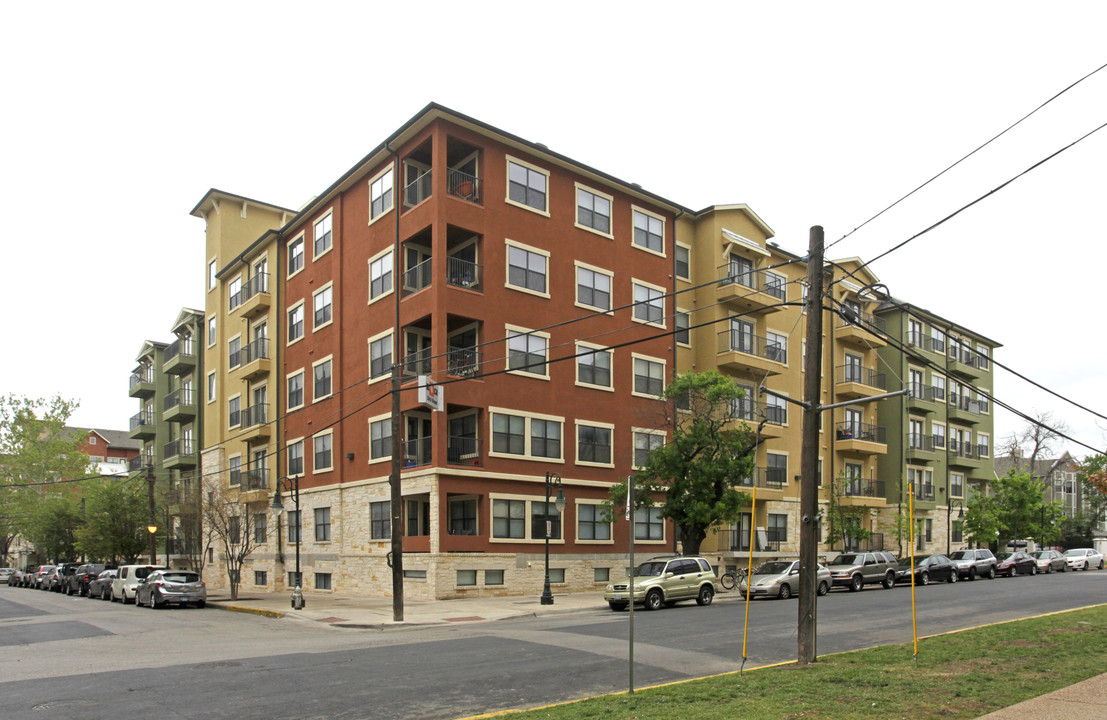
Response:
column 256, row 414
column 462, row 273
column 765, row 477
column 739, row 540
column 732, row 274
column 744, row 342
column 142, row 418
column 139, row 462
column 256, row 479
column 463, row 451
column 850, row 316
column 964, row 449
column 754, row 412
column 258, row 349
column 181, row 396
column 915, row 339
column 417, row 452
column 965, row 403
column 418, row 189
column 865, row 488
column 860, row 374
column 463, row 362
column 924, row 491
column 180, row 346
column 918, row 441
column 965, row 356
column 418, row 362
column 418, row 277
column 138, row 377
column 860, row 431
column 176, row 448
column 873, row 543
column 463, row 185
column 918, row 391
column 179, row 546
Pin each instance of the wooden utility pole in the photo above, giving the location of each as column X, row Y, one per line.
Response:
column 396, row 503
column 153, row 513
column 809, row 452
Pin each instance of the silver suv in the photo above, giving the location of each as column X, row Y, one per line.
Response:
column 665, row 581
column 972, row 564
column 856, row 570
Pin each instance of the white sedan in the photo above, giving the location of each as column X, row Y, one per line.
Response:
column 1084, row 559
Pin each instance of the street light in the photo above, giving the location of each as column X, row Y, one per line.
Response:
column 151, row 528
column 949, row 513
column 551, row 480
column 293, row 485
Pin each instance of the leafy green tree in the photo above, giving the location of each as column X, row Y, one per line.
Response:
column 51, row 525
column 1014, row 511
column 981, row 523
column 844, row 522
column 115, row 518
column 700, row 468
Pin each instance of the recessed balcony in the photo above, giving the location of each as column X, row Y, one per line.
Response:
column 750, row 290
column 744, row 352
column 864, row 493
column 254, row 485
column 180, row 357
column 769, row 482
column 855, row 381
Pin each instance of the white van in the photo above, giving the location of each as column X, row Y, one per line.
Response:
column 123, row 586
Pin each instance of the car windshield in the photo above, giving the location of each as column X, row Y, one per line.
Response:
column 906, row 561
column 773, row 568
column 181, row 577
column 142, row 572
column 1042, row 554
column 1074, row 553
column 650, row 569
column 1004, row 557
column 846, row 560
column 961, row 555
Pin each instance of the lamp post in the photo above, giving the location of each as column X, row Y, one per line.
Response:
column 152, row 529
column 552, row 479
column 949, row 517
column 293, row 485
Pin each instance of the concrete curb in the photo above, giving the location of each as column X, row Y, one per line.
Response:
column 248, row 610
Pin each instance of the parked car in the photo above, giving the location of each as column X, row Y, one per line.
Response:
column 78, row 582
column 15, row 578
column 164, row 587
column 973, row 563
column 1050, row 560
column 59, row 580
column 45, row 576
column 665, row 581
column 1016, row 563
column 6, row 573
column 855, row 570
column 30, row 576
column 126, row 582
column 1084, row 559
column 928, row 568
column 780, row 578
column 101, row 586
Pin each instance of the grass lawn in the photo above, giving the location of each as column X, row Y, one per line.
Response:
column 961, row 675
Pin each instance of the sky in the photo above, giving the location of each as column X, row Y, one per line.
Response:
column 120, row 116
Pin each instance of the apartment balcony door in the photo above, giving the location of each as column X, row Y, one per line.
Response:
column 853, row 422
column 741, row 336
column 853, row 368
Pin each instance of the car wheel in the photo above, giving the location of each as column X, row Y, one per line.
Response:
column 154, row 600
column 1100, row 565
column 992, row 572
column 889, row 580
column 972, row 573
column 123, row 599
column 856, row 583
column 1049, row 568
column 924, row 579
column 1034, row 569
column 1085, row 566
column 785, row 591
column 654, row 601
column 203, row 603
column 616, row 606
column 824, row 588
column 707, row 594
column 952, row 577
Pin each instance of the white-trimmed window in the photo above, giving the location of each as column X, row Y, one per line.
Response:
column 983, row 445
column 295, row 392
column 296, row 456
column 593, row 366
column 526, row 435
column 649, row 231
column 648, row 525
column 527, row 269
column 380, row 194
column 234, row 469
column 321, row 384
column 323, row 314
column 649, row 303
column 212, row 337
column 683, row 322
column 323, row 532
column 776, row 409
column 593, row 287
column 956, row 484
column 380, row 356
column 591, row 525
column 213, row 271
column 523, row 518
column 234, row 352
column 776, row 347
column 594, row 443
column 380, row 275
column 649, row 376
column 295, row 255
column 211, row 387
column 321, row 232
column 295, row 322
column 526, row 185
column 234, row 411
column 380, row 438
column 527, row 351
column 234, row 293
column 645, row 442
column 683, row 261
column 323, row 451
column 593, row 210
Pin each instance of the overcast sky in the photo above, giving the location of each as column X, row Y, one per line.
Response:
column 120, row 116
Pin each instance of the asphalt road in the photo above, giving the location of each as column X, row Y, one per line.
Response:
column 87, row 659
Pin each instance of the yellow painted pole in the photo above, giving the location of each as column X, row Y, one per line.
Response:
column 749, row 570
column 914, row 617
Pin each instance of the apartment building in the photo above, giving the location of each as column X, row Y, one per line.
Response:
column 110, row 451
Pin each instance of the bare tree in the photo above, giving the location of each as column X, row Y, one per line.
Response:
column 1039, row 439
column 228, row 521
column 194, row 535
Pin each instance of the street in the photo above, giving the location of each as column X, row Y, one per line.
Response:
column 83, row 658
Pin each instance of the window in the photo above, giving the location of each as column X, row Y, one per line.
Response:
column 593, row 288
column 526, row 185
column 545, row 438
column 211, row 331
column 645, row 442
column 323, row 524
column 261, row 577
column 322, row 449
column 526, row 352
column 591, row 524
column 234, row 414
column 594, row 210
column 322, row 581
column 380, row 194
column 649, row 231
column 601, row 575
column 296, row 390
column 776, row 472
column 296, row 323
column 466, row 578
column 938, row 382
column 508, row 434
column 234, row 293
column 234, row 467
column 296, row 256
column 776, row 410
column 463, row 517
column 380, row 521
column 526, row 435
column 593, row 366
column 380, row 275
column 557, row 576
column 958, row 531
column 594, row 444
column 213, row 270
column 380, row 356
column 211, row 387
column 649, row 304
column 322, row 302
column 776, row 347
column 649, row 377
column 956, row 485
column 648, row 524
column 380, row 439
column 683, row 262
column 493, row 577
column 778, row 528
column 295, row 579
column 682, row 321
column 545, row 520
column 296, row 458
column 322, row 235
column 509, row 519
column 526, row 269
column 259, row 528
column 983, row 445
column 321, row 387
column 234, row 353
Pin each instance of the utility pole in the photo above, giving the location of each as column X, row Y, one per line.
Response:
column 809, row 452
column 153, row 519
column 396, row 499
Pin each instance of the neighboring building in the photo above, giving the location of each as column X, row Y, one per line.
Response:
column 111, row 451
column 1057, row 475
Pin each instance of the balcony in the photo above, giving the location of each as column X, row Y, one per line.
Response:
column 142, row 383
column 963, row 409
column 255, row 422
column 864, row 493
column 739, row 541
column 417, row 277
column 861, row 329
column 418, row 362
column 417, row 452
column 463, row 451
column 924, row 492
column 179, row 406
column 142, row 425
column 920, row 398
column 855, row 381
column 463, row 185
column 750, row 289
column 180, row 357
column 744, row 352
column 923, row 448
column 253, row 298
column 463, row 274
column 253, row 360
column 254, row 485
column 874, row 543
column 963, row 454
column 861, row 438
column 417, row 190
column 463, row 362
column 179, row 454
column 967, row 362
column 770, row 483
column 753, row 412
column 139, row 462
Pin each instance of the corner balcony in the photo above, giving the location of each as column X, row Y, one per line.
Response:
column 921, row 398
column 253, row 360
column 142, row 383
column 964, row 410
column 860, row 329
column 750, row 289
column 180, row 357
column 743, row 352
column 861, row 438
column 142, row 426
column 254, row 423
column 463, row 185
column 179, row 406
column 463, row 451
column 179, row 454
column 139, row 462
column 417, row 452
column 253, row 298
column 864, row 493
column 923, row 448
column 854, row 381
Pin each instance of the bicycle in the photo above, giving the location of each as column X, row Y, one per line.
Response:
column 729, row 579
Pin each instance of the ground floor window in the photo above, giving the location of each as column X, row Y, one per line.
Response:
column 493, row 577
column 380, row 522
column 463, row 517
column 557, row 575
column 466, row 578
column 648, row 524
column 601, row 575
column 322, row 581
column 261, row 577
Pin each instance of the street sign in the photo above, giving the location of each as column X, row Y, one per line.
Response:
column 431, row 394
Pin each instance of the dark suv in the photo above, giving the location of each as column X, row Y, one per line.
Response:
column 77, row 583
column 60, row 583
column 972, row 564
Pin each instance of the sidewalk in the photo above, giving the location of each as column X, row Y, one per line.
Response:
column 1083, row 701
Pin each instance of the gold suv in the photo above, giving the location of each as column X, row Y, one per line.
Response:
column 665, row 581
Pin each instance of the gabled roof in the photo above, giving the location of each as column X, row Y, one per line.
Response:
column 188, row 316
column 113, row 438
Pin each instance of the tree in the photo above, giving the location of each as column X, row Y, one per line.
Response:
column 229, row 522
column 193, row 536
column 981, row 524
column 115, row 518
column 1014, row 511
column 1080, row 529
column 1039, row 439
column 845, row 522
column 699, row 470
